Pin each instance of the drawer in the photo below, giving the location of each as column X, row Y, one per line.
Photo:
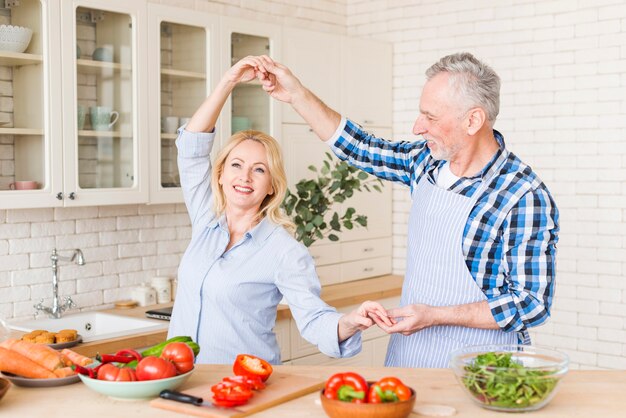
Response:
column 329, row 274
column 365, row 249
column 361, row 269
column 326, row 254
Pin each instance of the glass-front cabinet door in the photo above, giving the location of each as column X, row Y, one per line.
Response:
column 30, row 135
column 182, row 52
column 104, row 124
column 249, row 107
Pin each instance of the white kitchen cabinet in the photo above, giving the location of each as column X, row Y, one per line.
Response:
column 63, row 79
column 314, row 57
column 30, row 134
column 366, row 74
column 104, row 111
column 249, row 106
column 182, row 62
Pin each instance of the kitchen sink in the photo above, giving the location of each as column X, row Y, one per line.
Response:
column 93, row 326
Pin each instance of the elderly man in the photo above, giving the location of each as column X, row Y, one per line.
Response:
column 482, row 229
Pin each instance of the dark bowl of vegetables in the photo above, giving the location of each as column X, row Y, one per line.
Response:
column 511, row 378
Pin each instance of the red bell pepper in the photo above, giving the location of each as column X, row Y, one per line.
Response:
column 229, row 394
column 255, row 383
column 388, row 389
column 122, row 356
column 252, row 366
column 346, row 387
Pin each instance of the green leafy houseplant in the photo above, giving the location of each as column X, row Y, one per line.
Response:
column 313, row 199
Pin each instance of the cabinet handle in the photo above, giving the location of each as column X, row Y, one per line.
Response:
column 368, row 269
column 368, row 249
column 316, row 257
column 59, row 196
column 368, row 122
column 72, row 196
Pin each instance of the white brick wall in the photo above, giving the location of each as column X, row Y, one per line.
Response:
column 563, row 111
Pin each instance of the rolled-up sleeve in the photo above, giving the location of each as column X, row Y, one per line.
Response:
column 194, row 168
column 530, row 240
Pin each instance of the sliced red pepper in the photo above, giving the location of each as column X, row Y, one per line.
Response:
column 252, row 366
column 254, row 383
column 388, row 389
column 346, row 387
column 227, row 404
column 231, row 391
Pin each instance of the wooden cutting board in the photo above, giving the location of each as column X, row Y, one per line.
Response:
column 281, row 387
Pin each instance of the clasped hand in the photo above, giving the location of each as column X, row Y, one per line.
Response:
column 404, row 320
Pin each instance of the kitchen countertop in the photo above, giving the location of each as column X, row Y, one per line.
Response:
column 337, row 295
column 581, row 394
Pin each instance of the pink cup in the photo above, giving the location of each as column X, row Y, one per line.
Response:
column 24, row 185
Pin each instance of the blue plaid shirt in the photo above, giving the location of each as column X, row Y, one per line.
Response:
column 509, row 241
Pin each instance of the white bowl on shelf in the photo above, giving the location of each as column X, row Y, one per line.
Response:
column 14, row 38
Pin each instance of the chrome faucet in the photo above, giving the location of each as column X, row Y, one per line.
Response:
column 56, row 310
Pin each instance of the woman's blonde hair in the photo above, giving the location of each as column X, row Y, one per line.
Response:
column 271, row 205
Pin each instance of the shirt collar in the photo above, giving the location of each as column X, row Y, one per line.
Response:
column 258, row 234
column 489, row 169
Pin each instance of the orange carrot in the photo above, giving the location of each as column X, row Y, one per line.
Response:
column 39, row 353
column 15, row 363
column 76, row 358
column 64, row 372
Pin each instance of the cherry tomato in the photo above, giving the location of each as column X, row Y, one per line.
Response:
column 180, row 354
column 153, row 368
column 116, row 374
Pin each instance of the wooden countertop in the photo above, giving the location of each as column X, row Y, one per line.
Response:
column 581, row 394
column 337, row 295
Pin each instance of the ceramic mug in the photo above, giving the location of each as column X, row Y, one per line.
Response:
column 80, row 116
column 101, row 118
column 184, row 121
column 169, row 124
column 24, row 185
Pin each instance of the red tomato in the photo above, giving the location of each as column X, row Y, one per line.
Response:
column 153, row 368
column 116, row 374
column 180, row 354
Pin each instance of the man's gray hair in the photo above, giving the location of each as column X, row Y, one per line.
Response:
column 476, row 83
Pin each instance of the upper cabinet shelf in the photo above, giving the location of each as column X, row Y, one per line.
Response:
column 96, row 67
column 182, row 74
column 17, row 58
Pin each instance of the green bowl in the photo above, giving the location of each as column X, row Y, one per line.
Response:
column 134, row 390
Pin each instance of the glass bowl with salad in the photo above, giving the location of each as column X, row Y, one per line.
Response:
column 512, row 378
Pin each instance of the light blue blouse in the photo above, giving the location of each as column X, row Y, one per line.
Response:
column 226, row 301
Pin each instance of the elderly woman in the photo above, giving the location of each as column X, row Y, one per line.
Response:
column 242, row 258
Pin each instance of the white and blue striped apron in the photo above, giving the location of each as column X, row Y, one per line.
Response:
column 437, row 275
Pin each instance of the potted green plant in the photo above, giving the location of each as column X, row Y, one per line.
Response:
column 313, row 200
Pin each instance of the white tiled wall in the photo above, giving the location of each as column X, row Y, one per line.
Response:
column 563, row 111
